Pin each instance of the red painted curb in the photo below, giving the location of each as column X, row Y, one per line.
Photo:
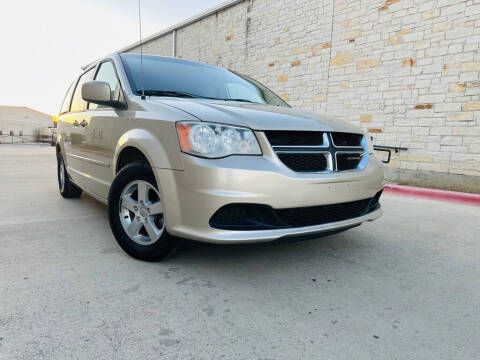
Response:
column 473, row 199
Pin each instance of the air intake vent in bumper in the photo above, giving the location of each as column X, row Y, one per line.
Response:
column 262, row 217
column 317, row 215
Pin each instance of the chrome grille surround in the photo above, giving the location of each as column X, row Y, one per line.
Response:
column 329, row 150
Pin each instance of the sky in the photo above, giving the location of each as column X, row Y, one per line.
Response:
column 44, row 43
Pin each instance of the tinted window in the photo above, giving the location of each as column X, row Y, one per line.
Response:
column 66, row 100
column 107, row 73
column 78, row 104
column 200, row 80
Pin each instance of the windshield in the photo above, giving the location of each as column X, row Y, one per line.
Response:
column 181, row 78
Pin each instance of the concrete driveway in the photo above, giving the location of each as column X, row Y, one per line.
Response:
column 404, row 287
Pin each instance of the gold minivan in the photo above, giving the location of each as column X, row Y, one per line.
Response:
column 181, row 149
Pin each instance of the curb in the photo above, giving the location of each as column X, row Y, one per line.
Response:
column 466, row 198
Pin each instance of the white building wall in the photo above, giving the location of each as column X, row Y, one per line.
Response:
column 25, row 123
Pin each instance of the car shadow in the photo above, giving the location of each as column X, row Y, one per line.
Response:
column 260, row 260
column 284, row 255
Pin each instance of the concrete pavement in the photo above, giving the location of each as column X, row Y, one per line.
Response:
column 404, row 287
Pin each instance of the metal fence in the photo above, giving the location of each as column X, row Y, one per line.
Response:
column 19, row 137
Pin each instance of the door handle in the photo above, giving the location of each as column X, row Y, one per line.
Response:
column 84, row 123
column 75, row 123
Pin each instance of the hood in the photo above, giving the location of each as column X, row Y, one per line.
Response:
column 256, row 116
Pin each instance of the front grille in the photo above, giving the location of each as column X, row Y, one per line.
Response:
column 318, row 215
column 316, row 151
column 289, row 138
column 348, row 161
column 305, row 162
column 347, row 139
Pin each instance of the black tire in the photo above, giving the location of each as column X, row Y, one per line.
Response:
column 69, row 190
column 166, row 245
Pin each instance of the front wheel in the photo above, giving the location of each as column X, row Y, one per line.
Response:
column 136, row 214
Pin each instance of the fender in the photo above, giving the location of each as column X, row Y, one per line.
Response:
column 60, row 145
column 152, row 147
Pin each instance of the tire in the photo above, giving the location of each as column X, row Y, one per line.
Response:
column 137, row 221
column 67, row 189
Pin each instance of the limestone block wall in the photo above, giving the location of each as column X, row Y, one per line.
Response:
column 406, row 71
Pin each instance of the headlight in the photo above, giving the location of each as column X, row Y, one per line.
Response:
column 216, row 140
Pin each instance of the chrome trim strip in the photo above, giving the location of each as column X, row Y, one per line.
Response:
column 300, row 146
column 361, row 152
column 349, row 147
column 92, row 161
column 299, row 151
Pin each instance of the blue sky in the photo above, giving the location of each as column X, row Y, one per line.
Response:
column 44, row 43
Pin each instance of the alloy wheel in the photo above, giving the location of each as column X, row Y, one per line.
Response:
column 141, row 212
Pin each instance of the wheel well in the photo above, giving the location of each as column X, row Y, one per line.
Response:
column 59, row 151
column 128, row 155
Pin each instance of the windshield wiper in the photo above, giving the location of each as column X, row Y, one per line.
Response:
column 172, row 93
column 168, row 93
column 241, row 100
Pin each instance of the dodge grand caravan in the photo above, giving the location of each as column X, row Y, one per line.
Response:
column 181, row 149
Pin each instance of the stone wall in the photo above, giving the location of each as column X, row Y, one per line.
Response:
column 406, row 71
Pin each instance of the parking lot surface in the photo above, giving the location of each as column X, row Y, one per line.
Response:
column 404, row 287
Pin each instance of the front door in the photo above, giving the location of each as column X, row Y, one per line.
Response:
column 100, row 135
column 73, row 135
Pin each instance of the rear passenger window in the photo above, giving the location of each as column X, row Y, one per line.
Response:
column 107, row 73
column 66, row 100
column 78, row 104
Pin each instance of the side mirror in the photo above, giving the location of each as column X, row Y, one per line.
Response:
column 99, row 92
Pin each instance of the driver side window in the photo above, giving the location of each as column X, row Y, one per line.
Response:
column 106, row 72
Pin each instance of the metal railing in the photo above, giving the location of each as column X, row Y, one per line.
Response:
column 388, row 149
column 12, row 137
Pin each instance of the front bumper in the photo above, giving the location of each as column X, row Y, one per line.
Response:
column 193, row 195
